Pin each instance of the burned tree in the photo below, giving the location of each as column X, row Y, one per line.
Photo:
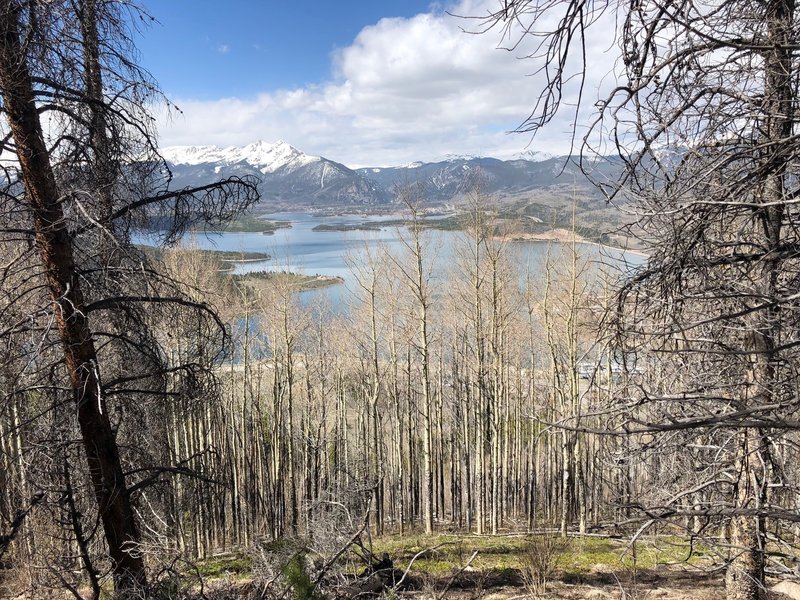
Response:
column 79, row 300
column 703, row 119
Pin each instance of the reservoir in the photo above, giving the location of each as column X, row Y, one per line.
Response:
column 301, row 249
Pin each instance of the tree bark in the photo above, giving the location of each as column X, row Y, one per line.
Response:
column 55, row 250
column 745, row 576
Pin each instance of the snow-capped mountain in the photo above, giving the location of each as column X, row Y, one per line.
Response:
column 267, row 157
column 290, row 177
column 452, row 177
column 287, row 174
column 534, row 156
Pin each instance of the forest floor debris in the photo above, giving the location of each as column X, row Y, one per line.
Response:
column 469, row 567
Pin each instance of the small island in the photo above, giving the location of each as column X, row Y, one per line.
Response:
column 227, row 259
column 252, row 224
column 259, row 281
column 348, row 227
column 236, row 255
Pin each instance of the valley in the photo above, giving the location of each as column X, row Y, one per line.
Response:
column 527, row 196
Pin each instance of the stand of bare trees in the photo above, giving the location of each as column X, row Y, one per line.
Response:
column 85, row 378
column 704, row 119
column 323, row 410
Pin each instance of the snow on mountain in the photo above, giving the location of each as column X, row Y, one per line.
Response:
column 267, row 157
column 453, row 158
column 271, row 157
column 285, row 174
column 290, row 177
column 190, row 155
column 534, row 156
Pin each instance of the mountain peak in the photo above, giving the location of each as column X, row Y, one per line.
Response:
column 261, row 145
column 267, row 157
column 263, row 154
column 293, row 178
column 534, row 156
column 460, row 157
column 189, row 155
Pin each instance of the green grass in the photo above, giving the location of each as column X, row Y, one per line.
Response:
column 235, row 564
column 446, row 553
column 500, row 558
column 442, row 553
column 593, row 554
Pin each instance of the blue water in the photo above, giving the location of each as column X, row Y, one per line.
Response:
column 299, row 249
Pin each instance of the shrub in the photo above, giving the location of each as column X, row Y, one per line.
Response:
column 540, row 555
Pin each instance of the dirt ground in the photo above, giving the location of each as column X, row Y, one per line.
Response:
column 672, row 584
column 648, row 585
column 600, row 584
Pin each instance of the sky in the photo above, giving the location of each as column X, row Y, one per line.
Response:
column 362, row 82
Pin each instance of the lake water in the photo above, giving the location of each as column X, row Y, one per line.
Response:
column 300, row 249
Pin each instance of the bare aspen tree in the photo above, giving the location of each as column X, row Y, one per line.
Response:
column 565, row 293
column 484, row 281
column 370, row 270
column 416, row 276
column 704, row 121
column 501, row 308
column 472, row 331
column 287, row 320
column 398, row 329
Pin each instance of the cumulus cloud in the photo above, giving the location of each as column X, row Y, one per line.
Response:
column 405, row 89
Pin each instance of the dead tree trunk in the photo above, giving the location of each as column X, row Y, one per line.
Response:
column 69, row 311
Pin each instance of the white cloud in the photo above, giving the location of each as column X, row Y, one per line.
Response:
column 223, row 48
column 404, row 89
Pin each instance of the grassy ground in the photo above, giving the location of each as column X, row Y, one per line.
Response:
column 237, row 565
column 444, row 568
column 508, row 552
column 440, row 555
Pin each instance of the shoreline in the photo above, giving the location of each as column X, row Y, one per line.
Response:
column 246, row 260
column 261, row 280
column 440, row 219
column 564, row 236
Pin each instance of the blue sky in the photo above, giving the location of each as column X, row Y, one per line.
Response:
column 207, row 49
column 365, row 83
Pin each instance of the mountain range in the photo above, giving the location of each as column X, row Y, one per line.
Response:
column 291, row 178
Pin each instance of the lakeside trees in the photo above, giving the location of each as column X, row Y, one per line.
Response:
column 357, row 388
